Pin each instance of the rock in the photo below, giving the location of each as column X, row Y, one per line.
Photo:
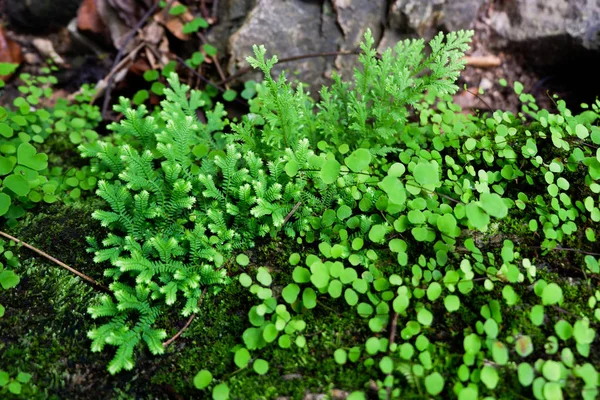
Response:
column 427, row 17
column 298, row 27
column 543, row 29
column 288, row 28
column 41, row 15
column 354, row 17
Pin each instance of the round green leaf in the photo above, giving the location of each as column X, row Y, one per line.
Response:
column 309, row 298
column 400, row 303
column 4, row 203
column 526, row 374
column 489, row 377
column 493, row 205
column 27, row 156
column 260, row 366
column 551, row 370
column 290, row 293
column 386, row 364
column 434, row 291
column 242, row 259
column 340, row 356
column 359, row 160
column 500, row 353
column 301, row 275
column 335, row 288
column 220, row 392
column 447, row 224
column 552, row 294
column 427, row 173
column 8, row 279
column 524, row 346
column 351, row 297
column 17, row 184
column 425, row 317
column 241, row 357
column 330, row 171
column 202, row 379
column 434, row 383
column 563, row 329
column 264, row 277
column 477, row 216
column 452, row 303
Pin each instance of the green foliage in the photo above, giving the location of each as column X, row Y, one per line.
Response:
column 29, row 176
column 415, row 226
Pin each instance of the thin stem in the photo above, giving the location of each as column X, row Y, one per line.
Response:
column 392, row 338
column 287, row 217
column 187, row 324
column 54, row 260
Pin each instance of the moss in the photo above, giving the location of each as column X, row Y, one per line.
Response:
column 218, row 328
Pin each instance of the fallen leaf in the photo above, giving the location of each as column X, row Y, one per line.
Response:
column 88, row 18
column 174, row 23
column 10, row 51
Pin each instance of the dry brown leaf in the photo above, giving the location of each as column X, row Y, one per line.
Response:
column 10, row 51
column 174, row 23
column 153, row 33
column 88, row 18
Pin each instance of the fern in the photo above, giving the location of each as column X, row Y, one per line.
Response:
column 175, row 218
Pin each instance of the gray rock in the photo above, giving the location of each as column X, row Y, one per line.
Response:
column 354, row 17
column 297, row 27
column 427, row 17
column 546, row 26
column 287, row 28
column 41, row 15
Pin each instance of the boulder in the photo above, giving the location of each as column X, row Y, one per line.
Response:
column 41, row 15
column 297, row 27
column 427, row 17
column 548, row 30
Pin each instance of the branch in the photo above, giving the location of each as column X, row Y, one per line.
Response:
column 49, row 257
column 187, row 324
column 121, row 52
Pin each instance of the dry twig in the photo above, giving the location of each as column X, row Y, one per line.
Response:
column 49, row 257
column 187, row 324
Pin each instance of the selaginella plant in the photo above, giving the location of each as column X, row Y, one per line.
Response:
column 183, row 199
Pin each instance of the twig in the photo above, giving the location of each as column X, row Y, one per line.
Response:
column 187, row 324
column 483, row 61
column 117, row 68
column 245, row 70
column 49, row 257
column 393, row 328
column 215, row 10
column 207, row 81
column 287, row 217
column 392, row 337
column 121, row 52
column 480, row 99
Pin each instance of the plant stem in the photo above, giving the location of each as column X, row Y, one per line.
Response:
column 49, row 257
column 187, row 324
